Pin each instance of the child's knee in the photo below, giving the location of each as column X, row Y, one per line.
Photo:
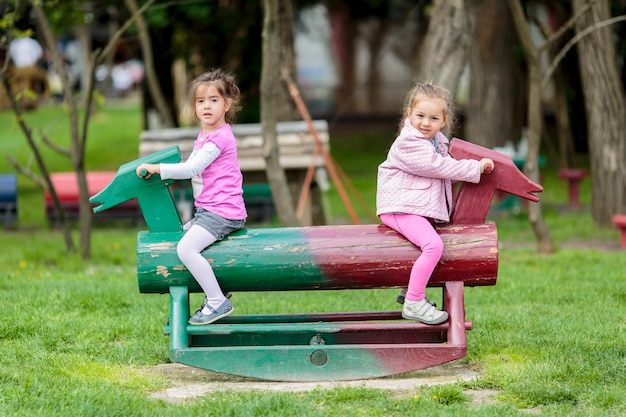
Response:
column 180, row 251
column 434, row 248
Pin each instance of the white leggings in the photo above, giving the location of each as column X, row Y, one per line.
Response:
column 189, row 250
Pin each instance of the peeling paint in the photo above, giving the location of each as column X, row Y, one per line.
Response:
column 161, row 246
column 162, row 270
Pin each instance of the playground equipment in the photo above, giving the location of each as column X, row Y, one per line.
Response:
column 318, row 346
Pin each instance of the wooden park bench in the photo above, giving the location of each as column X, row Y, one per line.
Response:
column 8, row 199
column 66, row 186
column 296, row 153
column 314, row 346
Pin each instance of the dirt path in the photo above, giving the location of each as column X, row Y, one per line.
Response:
column 187, row 383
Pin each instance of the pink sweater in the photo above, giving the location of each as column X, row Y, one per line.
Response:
column 215, row 174
column 417, row 179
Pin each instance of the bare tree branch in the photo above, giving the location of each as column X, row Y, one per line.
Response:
column 519, row 17
column 558, row 57
column 567, row 26
column 88, row 101
column 37, row 179
column 28, row 134
column 121, row 30
column 52, row 145
column 151, row 78
column 57, row 59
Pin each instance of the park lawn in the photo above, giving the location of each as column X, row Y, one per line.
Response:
column 78, row 338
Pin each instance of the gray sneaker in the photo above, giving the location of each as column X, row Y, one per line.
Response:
column 216, row 313
column 423, row 311
column 402, row 295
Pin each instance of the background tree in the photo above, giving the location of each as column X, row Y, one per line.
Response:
column 79, row 124
column 270, row 86
column 11, row 14
column 445, row 49
column 496, row 82
column 162, row 105
column 603, row 91
column 532, row 55
column 286, row 109
column 197, row 36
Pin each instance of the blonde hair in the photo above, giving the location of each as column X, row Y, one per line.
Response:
column 431, row 91
column 226, row 85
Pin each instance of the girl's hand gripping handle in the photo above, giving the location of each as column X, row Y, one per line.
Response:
column 486, row 166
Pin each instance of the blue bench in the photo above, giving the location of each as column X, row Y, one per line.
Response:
column 8, row 199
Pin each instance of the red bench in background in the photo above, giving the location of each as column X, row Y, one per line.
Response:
column 66, row 187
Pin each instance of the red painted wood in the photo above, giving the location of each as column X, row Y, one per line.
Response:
column 472, row 202
column 407, row 358
column 619, row 220
column 573, row 178
column 66, row 187
column 454, row 302
column 376, row 256
column 66, row 184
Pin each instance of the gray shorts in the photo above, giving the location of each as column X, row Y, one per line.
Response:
column 215, row 224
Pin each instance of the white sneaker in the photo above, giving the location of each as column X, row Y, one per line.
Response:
column 423, row 311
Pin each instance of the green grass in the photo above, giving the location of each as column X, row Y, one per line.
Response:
column 78, row 339
column 113, row 137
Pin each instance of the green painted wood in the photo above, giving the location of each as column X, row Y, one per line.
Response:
column 152, row 193
column 179, row 314
column 272, row 262
column 319, row 363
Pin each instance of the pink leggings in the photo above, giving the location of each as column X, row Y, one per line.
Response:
column 421, row 233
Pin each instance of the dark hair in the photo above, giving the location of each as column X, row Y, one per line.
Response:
column 428, row 90
column 226, row 85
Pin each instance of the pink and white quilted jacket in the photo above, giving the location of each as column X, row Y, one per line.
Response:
column 416, row 177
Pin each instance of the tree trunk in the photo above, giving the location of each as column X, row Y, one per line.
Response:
column 152, row 80
column 531, row 165
column 564, row 130
column 375, row 46
column 41, row 164
column 283, row 201
column 68, row 95
column 84, row 41
column 445, row 50
column 535, row 123
column 340, row 13
column 286, row 108
column 606, row 113
column 78, row 130
column 495, row 90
